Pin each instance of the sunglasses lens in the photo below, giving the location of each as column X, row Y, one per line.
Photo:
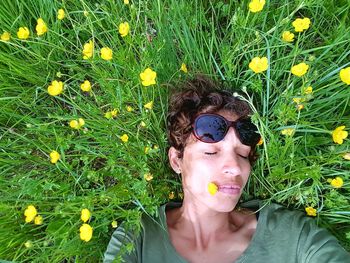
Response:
column 248, row 132
column 210, row 128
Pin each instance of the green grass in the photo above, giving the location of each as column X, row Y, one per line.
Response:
column 100, row 172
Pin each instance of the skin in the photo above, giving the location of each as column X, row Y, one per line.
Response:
column 229, row 232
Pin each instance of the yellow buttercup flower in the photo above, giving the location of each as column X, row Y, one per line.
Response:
column 77, row 124
column 85, row 215
column 55, row 88
column 61, row 14
column 149, row 105
column 28, row 244
column 86, row 86
column 184, row 67
column 310, row 211
column 339, row 134
column 106, row 53
column 41, row 27
column 38, row 220
column 114, row 224
column 345, row 75
column 337, row 182
column 288, row 131
column 6, row 36
column 300, row 69
column 86, row 232
column 124, row 138
column 111, row 114
column 258, row 64
column 256, row 5
column 301, row 24
column 54, row 157
column 143, row 124
column 88, row 50
column 148, row 77
column 212, row 188
column 23, row 33
column 147, row 148
column 300, row 107
column 148, row 176
column 287, row 36
column 124, row 29
column 308, row 90
column 129, row 109
column 347, row 156
column 30, row 213
column 171, row 195
column 126, row 2
column 260, row 142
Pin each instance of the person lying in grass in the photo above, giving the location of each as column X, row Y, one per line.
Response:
column 212, row 145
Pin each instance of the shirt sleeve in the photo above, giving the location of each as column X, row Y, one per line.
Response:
column 317, row 245
column 117, row 247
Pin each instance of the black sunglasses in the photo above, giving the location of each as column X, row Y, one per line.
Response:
column 211, row 128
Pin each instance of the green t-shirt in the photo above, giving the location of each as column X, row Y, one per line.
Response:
column 281, row 235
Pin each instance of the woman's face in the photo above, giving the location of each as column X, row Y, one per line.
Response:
column 224, row 163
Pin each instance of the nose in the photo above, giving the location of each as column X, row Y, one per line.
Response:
column 232, row 162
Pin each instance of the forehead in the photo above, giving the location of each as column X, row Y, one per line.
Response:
column 228, row 115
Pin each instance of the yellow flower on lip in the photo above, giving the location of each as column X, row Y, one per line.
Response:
column 41, row 27
column 38, row 220
column 212, row 188
column 85, row 215
column 86, row 86
column 61, row 14
column 124, row 29
column 88, row 50
column 300, row 69
column 148, row 77
column 339, row 134
column 6, row 36
column 345, row 75
column 287, row 36
column 86, row 232
column 55, row 88
column 124, row 138
column 301, row 24
column 54, row 157
column 30, row 213
column 310, row 211
column 106, row 53
column 149, row 105
column 288, row 131
column 23, row 33
column 258, row 64
column 184, row 67
column 256, row 5
column 148, row 176
column 337, row 182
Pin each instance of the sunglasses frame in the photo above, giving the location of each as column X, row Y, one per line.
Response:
column 228, row 125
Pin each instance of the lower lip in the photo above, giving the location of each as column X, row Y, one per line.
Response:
column 230, row 191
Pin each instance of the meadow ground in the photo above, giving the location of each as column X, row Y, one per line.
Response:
column 80, row 128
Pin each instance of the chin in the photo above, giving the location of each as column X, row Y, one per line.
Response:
column 224, row 206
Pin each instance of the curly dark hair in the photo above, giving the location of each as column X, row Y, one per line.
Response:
column 196, row 96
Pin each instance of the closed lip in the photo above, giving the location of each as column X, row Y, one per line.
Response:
column 229, row 186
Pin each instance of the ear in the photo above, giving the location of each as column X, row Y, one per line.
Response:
column 175, row 161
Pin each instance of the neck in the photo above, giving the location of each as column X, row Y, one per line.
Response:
column 202, row 225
